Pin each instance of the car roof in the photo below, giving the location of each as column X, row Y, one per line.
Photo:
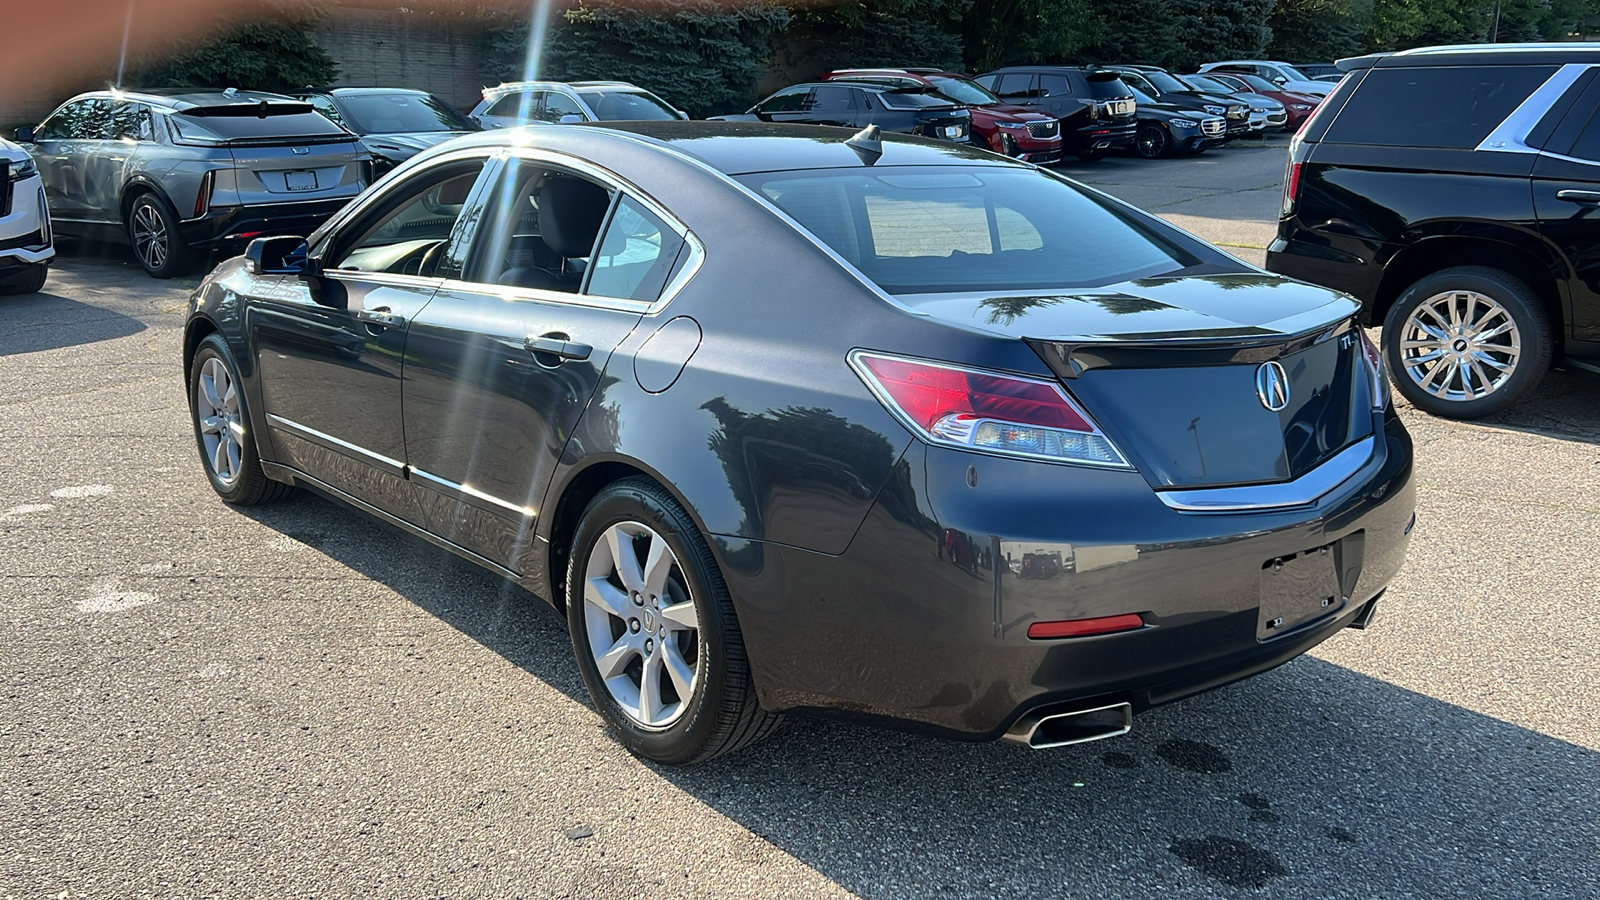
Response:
column 877, row 86
column 178, row 99
column 1479, row 54
column 509, row 86
column 357, row 91
column 1038, row 69
column 739, row 148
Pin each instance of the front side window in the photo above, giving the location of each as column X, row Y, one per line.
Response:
column 1014, row 85
column 413, row 234
column 1446, row 107
column 628, row 106
column 916, row 230
column 80, row 120
column 787, row 100
column 635, row 256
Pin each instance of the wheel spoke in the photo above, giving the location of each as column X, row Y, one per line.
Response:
column 219, row 460
column 1488, row 384
column 650, row 689
column 624, row 559
column 211, row 425
column 681, row 615
column 1484, row 358
column 679, row 670
column 602, row 594
column 1495, row 332
column 208, row 386
column 614, row 661
column 657, row 566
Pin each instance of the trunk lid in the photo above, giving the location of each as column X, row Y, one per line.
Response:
column 289, row 171
column 1172, row 369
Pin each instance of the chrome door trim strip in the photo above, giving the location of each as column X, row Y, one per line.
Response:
column 1303, row 491
column 327, row 441
column 469, row 494
column 1511, row 135
column 391, row 279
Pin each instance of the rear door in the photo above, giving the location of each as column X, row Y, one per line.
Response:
column 1566, row 198
column 498, row 374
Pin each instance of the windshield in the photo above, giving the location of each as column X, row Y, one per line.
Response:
column 401, row 112
column 1138, row 84
column 628, row 106
column 1213, row 85
column 1258, row 84
column 1165, row 82
column 1293, row 74
column 963, row 91
column 939, row 229
column 1141, row 97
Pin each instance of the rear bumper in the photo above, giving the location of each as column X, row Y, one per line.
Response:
column 923, row 621
column 231, row 225
column 1099, row 137
column 1340, row 263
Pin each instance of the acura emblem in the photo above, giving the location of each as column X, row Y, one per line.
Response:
column 1272, row 386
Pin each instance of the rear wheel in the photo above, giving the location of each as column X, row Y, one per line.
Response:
column 1153, row 142
column 654, row 630
column 1467, row 342
column 29, row 281
column 153, row 232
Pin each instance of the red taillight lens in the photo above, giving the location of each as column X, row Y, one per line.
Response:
column 1085, row 627
column 987, row 411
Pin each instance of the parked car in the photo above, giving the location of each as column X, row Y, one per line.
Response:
column 617, row 394
column 1266, row 113
column 1004, row 128
column 1455, row 192
column 1282, row 74
column 393, row 123
column 1165, row 87
column 914, row 109
column 1168, row 130
column 26, row 244
column 1297, row 107
column 1095, row 108
column 520, row 102
column 177, row 172
column 1321, row 71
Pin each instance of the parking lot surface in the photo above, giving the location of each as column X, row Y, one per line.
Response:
column 295, row 699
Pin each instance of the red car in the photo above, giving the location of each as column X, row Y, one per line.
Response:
column 1003, row 127
column 1298, row 106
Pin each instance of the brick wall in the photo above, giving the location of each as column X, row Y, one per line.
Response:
column 392, row 48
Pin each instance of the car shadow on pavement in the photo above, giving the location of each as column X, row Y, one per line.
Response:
column 1310, row 780
column 49, row 321
column 1565, row 406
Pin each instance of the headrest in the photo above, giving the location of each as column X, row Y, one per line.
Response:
column 570, row 213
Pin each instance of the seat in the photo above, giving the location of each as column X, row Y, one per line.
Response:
column 571, row 211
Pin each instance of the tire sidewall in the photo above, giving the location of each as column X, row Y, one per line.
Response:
column 1517, row 299
column 177, row 251
column 30, row 281
column 213, row 347
column 684, row 739
column 1165, row 146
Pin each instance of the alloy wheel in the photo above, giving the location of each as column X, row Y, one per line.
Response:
column 150, row 237
column 642, row 627
column 1152, row 143
column 216, row 404
column 1460, row 345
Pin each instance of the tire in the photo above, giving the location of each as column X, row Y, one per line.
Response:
column 153, row 233
column 1153, row 142
column 222, row 429
column 679, row 618
column 30, row 281
column 1482, row 321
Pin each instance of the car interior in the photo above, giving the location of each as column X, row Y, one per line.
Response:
column 552, row 235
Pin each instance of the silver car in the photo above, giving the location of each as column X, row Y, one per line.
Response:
column 181, row 172
column 520, row 102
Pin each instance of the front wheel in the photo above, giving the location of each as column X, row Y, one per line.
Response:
column 153, row 232
column 1153, row 141
column 1467, row 342
column 29, row 281
column 654, row 630
column 222, row 428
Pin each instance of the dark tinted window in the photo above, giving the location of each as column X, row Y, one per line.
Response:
column 510, row 106
column 915, row 100
column 831, row 99
column 399, row 113
column 787, row 100
column 1016, row 86
column 1588, row 145
column 1054, row 85
column 930, row 230
column 243, row 122
column 989, row 82
column 1452, row 107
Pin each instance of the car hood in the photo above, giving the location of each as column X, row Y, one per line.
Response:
column 1167, row 110
column 405, row 145
column 12, row 152
column 1202, row 307
column 1013, row 111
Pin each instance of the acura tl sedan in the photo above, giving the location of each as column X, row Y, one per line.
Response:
column 790, row 418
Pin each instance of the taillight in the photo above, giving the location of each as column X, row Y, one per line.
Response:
column 1291, row 187
column 1375, row 374
column 202, row 198
column 987, row 411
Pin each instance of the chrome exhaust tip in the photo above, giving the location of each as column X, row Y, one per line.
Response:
column 1044, row 728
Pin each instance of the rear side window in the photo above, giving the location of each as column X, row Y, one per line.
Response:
column 1054, row 85
column 635, row 255
column 1445, row 107
column 1588, row 145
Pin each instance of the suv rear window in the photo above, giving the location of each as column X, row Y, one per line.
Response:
column 1446, row 107
column 244, row 124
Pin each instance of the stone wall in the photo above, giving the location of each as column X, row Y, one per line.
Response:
column 393, row 48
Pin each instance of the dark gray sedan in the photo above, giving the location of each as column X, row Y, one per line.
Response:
column 788, row 418
column 178, row 173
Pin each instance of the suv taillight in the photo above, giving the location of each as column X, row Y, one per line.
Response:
column 1291, row 175
column 992, row 412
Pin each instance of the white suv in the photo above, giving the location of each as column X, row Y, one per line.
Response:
column 520, row 102
column 26, row 245
column 1281, row 73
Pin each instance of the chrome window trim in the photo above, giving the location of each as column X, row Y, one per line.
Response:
column 359, row 204
column 1511, row 135
column 377, row 460
column 1303, row 491
column 391, row 279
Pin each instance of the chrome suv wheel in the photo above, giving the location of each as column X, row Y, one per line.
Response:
column 1467, row 342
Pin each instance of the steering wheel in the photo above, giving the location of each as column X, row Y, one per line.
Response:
column 425, row 263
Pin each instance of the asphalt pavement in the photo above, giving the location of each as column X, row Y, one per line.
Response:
column 297, row 700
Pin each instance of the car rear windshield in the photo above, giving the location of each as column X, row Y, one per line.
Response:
column 627, row 106
column 1106, row 86
column 921, row 230
column 401, row 112
column 1447, row 107
column 244, row 124
column 916, row 99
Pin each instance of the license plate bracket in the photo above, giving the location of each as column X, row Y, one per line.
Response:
column 1297, row 590
column 300, row 180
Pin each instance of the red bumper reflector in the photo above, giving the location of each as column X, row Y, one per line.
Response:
column 1085, row 627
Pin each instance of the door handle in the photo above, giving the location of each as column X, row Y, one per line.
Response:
column 558, row 346
column 1579, row 196
column 382, row 317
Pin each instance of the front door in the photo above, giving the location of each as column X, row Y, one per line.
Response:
column 1566, row 198
column 330, row 346
column 62, row 147
column 500, row 367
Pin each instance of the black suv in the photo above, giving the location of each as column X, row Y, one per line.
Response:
column 1095, row 108
column 909, row 110
column 1164, row 87
column 1456, row 192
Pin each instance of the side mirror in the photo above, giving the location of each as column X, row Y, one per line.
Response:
column 25, row 135
column 572, row 119
column 278, row 256
column 1281, row 80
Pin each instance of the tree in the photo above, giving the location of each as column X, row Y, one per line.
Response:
column 1314, row 30
column 266, row 56
column 1009, row 32
column 875, row 33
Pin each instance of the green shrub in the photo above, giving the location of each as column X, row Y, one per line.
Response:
column 262, row 56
